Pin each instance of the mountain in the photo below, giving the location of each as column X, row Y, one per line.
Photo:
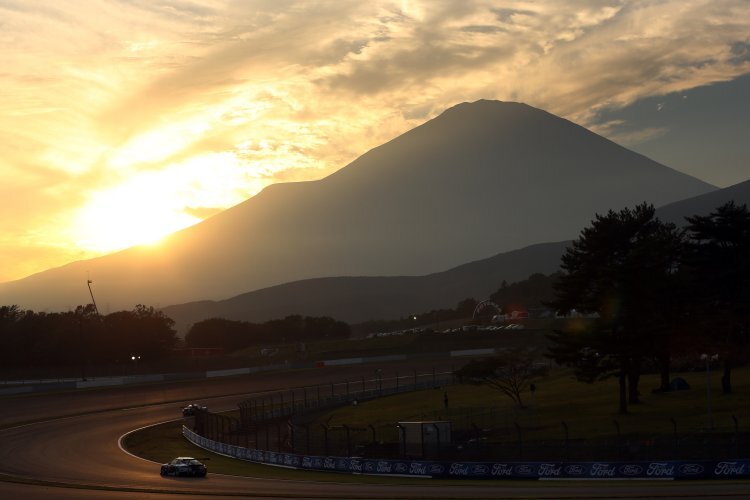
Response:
column 358, row 299
column 705, row 203
column 481, row 178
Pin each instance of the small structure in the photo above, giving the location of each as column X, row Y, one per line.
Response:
column 424, row 439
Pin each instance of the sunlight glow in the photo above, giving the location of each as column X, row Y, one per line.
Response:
column 152, row 204
column 132, row 214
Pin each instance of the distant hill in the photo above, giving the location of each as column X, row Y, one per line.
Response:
column 358, row 299
column 481, row 178
column 705, row 203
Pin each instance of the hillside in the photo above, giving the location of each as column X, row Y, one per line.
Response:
column 704, row 204
column 358, row 299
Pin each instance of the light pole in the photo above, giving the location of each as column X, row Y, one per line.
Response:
column 708, row 358
column 92, row 297
column 135, row 360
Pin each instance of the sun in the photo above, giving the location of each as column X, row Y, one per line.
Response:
column 138, row 212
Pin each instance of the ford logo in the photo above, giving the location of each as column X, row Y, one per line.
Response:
column 524, row 470
column 575, row 470
column 631, row 470
column 691, row 469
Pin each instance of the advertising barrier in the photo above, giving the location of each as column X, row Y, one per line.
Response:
column 660, row 470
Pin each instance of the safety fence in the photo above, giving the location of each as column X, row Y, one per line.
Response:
column 472, row 436
column 281, row 421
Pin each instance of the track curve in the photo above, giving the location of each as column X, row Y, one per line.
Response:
column 81, row 452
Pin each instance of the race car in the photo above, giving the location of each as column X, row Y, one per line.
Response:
column 190, row 409
column 184, row 466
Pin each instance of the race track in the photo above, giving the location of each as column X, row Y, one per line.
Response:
column 77, row 456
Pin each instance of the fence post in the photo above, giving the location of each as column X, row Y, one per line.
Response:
column 520, row 440
column 437, row 435
column 736, row 436
column 325, row 438
column 348, row 440
column 674, row 437
column 402, row 430
column 278, row 436
column 619, row 438
column 290, row 426
column 567, row 450
column 307, row 437
column 372, row 428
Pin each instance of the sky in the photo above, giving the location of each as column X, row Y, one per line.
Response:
column 122, row 121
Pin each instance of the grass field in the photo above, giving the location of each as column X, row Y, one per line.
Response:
column 589, row 410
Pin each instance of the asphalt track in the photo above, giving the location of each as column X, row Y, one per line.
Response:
column 65, row 446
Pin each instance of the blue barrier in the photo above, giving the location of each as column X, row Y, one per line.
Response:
column 668, row 470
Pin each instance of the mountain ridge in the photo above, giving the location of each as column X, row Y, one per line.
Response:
column 403, row 295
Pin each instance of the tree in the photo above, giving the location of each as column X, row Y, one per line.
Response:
column 509, row 373
column 719, row 262
column 466, row 307
column 144, row 331
column 532, row 292
column 617, row 269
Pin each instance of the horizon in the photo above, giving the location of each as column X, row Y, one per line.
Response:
column 126, row 123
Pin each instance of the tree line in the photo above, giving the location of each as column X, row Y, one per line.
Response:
column 463, row 309
column 233, row 335
column 658, row 292
column 82, row 336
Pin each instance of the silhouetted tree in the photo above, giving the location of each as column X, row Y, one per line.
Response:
column 535, row 291
column 615, row 269
column 233, row 335
column 509, row 373
column 719, row 264
column 466, row 307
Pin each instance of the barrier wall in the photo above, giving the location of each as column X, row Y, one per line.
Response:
column 551, row 470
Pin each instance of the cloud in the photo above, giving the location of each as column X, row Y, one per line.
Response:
column 621, row 133
column 97, row 94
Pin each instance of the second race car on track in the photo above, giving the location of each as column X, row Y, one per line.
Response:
column 184, row 466
column 190, row 409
